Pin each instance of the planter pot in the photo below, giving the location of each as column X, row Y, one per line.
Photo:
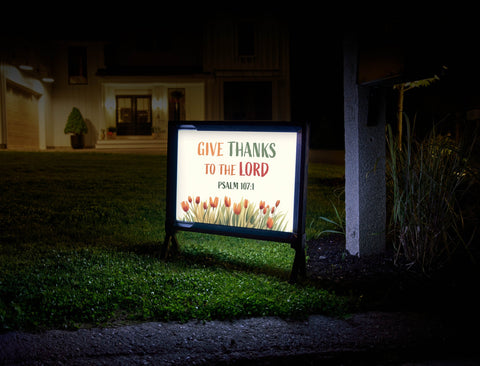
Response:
column 77, row 141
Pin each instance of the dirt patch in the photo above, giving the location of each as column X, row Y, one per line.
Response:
column 380, row 284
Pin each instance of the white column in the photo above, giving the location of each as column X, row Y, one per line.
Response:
column 365, row 193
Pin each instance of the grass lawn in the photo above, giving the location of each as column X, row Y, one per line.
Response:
column 80, row 235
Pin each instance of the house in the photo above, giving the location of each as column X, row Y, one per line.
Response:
column 135, row 81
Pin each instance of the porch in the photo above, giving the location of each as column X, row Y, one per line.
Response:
column 133, row 143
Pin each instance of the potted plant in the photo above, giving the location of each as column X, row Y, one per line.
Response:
column 77, row 127
column 112, row 132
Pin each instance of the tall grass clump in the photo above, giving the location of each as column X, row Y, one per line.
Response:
column 426, row 180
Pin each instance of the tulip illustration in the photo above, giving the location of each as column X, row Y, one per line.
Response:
column 242, row 213
column 270, row 223
column 237, row 208
column 214, row 203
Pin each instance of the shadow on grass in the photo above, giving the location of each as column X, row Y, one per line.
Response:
column 218, row 261
column 203, row 259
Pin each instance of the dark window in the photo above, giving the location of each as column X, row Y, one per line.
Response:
column 247, row 101
column 77, row 65
column 246, row 39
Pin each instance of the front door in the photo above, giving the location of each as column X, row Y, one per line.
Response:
column 134, row 115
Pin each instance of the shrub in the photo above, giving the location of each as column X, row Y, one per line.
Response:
column 75, row 123
column 425, row 182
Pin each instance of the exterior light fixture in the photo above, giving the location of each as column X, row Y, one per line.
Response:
column 25, row 67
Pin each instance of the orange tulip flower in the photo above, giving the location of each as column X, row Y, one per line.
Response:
column 262, row 205
column 190, row 199
column 205, row 205
column 197, row 200
column 245, row 203
column 185, row 206
column 214, row 203
column 278, row 202
column 228, row 201
column 237, row 208
column 264, row 210
column 273, row 210
column 270, row 223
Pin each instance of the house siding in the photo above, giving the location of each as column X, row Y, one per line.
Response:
column 86, row 97
column 202, row 75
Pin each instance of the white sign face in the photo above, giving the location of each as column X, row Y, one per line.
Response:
column 242, row 179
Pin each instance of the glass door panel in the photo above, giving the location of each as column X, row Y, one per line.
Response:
column 134, row 115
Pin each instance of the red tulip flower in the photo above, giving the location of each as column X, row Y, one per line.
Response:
column 185, row 206
column 278, row 202
column 262, row 205
column 190, row 199
column 270, row 223
column 237, row 208
column 245, row 203
column 205, row 205
column 228, row 201
column 197, row 200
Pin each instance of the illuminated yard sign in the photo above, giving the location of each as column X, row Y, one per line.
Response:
column 238, row 179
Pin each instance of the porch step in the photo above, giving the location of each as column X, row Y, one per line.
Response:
column 159, row 145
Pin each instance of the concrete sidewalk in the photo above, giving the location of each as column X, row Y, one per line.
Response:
column 374, row 338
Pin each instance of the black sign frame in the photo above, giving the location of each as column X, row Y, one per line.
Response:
column 296, row 238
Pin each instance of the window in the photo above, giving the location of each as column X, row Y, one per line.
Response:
column 176, row 104
column 134, row 115
column 247, row 101
column 246, row 39
column 77, row 65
